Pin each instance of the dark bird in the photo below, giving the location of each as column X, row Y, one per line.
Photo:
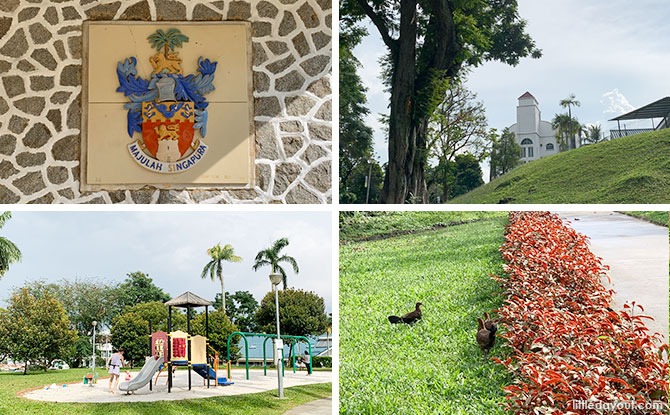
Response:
column 486, row 337
column 409, row 318
column 488, row 322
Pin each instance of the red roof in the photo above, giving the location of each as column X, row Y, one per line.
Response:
column 527, row 95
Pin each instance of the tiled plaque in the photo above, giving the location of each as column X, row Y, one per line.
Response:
column 167, row 104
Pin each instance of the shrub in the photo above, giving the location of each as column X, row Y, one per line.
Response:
column 567, row 344
column 322, row 361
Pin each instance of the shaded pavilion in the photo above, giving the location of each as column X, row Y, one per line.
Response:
column 658, row 110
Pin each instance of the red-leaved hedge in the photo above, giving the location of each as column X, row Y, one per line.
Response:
column 567, row 344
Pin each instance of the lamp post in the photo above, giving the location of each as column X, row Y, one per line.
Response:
column 95, row 323
column 275, row 279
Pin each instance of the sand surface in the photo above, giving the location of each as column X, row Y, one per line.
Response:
column 79, row 392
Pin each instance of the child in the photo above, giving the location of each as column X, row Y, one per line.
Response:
column 128, row 377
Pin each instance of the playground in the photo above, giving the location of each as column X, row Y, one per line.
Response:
column 97, row 393
column 183, row 366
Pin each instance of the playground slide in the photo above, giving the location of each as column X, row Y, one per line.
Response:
column 201, row 369
column 150, row 367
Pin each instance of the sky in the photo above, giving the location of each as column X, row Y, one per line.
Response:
column 612, row 54
column 169, row 246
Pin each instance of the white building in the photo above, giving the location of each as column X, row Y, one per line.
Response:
column 536, row 137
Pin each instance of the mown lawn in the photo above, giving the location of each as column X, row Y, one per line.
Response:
column 359, row 226
column 257, row 403
column 655, row 217
column 436, row 365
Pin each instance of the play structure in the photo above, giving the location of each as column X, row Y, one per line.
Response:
column 172, row 349
column 244, row 335
column 182, row 349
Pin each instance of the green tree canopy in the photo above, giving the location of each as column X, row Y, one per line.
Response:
column 155, row 314
column 430, row 42
column 272, row 257
column 241, row 309
column 9, row 253
column 38, row 329
column 301, row 313
column 214, row 268
column 138, row 288
column 505, row 154
column 220, row 327
column 130, row 332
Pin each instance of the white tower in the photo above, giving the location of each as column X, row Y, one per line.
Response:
column 536, row 137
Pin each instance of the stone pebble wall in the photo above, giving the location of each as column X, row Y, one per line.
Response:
column 40, row 88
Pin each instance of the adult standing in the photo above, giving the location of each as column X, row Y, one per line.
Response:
column 114, row 364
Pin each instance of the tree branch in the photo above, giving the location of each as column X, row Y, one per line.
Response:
column 379, row 22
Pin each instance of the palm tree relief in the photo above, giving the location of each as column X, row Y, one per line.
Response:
column 168, row 61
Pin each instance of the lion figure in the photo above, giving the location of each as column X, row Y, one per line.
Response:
column 170, row 63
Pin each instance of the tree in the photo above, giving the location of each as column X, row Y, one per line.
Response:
column 505, row 154
column 365, row 184
column 566, row 128
column 301, row 313
column 9, row 253
column 214, row 268
column 130, row 332
column 568, row 103
column 430, row 42
column 272, row 257
column 4, row 334
column 355, row 136
column 138, row 288
column 458, row 125
column 154, row 313
column 241, row 309
column 220, row 327
column 594, row 134
column 167, row 40
column 38, row 329
column 450, row 179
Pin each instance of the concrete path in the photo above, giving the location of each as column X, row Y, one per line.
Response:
column 317, row 407
column 637, row 253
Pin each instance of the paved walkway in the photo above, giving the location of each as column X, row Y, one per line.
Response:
column 637, row 253
column 317, row 407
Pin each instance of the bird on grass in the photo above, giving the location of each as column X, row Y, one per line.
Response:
column 486, row 332
column 409, row 318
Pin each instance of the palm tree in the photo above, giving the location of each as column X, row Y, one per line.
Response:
column 214, row 268
column 167, row 40
column 9, row 253
column 594, row 134
column 568, row 103
column 271, row 257
column 566, row 127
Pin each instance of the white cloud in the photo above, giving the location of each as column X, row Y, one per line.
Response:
column 615, row 102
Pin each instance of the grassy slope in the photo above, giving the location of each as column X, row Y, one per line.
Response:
column 434, row 366
column 627, row 170
column 357, row 226
column 257, row 403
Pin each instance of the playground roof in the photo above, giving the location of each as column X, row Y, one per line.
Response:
column 188, row 299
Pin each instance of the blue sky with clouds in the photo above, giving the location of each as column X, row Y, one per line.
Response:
column 612, row 54
column 169, row 246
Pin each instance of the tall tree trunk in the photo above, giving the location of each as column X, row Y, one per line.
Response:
column 223, row 293
column 402, row 135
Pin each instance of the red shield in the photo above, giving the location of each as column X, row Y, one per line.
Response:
column 167, row 128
